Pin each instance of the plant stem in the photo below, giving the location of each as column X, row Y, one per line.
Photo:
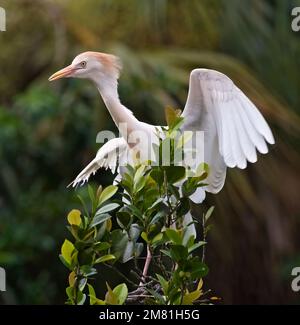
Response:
column 137, row 298
column 146, row 266
column 204, row 238
column 76, row 286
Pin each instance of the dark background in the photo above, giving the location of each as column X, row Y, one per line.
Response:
column 48, row 131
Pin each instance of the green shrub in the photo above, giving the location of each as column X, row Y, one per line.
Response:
column 143, row 213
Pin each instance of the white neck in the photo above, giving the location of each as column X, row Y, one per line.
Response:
column 119, row 113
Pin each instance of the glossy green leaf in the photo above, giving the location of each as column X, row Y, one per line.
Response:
column 157, row 175
column 101, row 246
column 190, row 297
column 157, row 238
column 121, row 291
column 81, row 297
column 107, row 208
column 88, row 270
column 170, row 115
column 163, row 282
column 123, row 218
column 65, row 263
column 67, row 250
column 174, row 236
column 134, row 231
column 110, row 297
column 197, row 269
column 139, row 173
column 140, row 184
column 144, row 236
column 70, row 293
column 175, row 173
column 105, row 258
column 178, row 253
column 209, row 213
column 74, row 217
column 157, row 217
column 99, row 218
column 93, row 299
column 107, row 193
column 72, row 278
column 82, row 283
column 195, row 246
column 119, row 241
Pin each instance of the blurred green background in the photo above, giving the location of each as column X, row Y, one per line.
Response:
column 48, row 131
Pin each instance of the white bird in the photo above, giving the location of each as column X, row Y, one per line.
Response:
column 233, row 127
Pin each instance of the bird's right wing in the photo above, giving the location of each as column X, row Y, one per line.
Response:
column 108, row 156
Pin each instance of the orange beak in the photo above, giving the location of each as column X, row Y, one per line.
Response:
column 63, row 73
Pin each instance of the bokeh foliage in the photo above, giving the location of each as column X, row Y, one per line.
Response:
column 47, row 132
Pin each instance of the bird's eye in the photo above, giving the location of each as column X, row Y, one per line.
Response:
column 83, row 64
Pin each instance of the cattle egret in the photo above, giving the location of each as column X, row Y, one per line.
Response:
column 234, row 129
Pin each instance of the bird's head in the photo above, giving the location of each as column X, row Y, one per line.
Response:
column 91, row 65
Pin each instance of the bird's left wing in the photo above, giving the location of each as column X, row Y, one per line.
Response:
column 108, row 156
column 233, row 127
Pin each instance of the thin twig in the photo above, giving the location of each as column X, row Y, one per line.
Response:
column 146, row 266
column 145, row 257
column 139, row 296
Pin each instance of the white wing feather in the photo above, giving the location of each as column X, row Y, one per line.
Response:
column 233, row 127
column 107, row 156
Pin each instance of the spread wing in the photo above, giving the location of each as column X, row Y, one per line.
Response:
column 108, row 156
column 234, row 129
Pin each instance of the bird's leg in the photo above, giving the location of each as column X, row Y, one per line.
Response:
column 140, row 292
column 146, row 266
